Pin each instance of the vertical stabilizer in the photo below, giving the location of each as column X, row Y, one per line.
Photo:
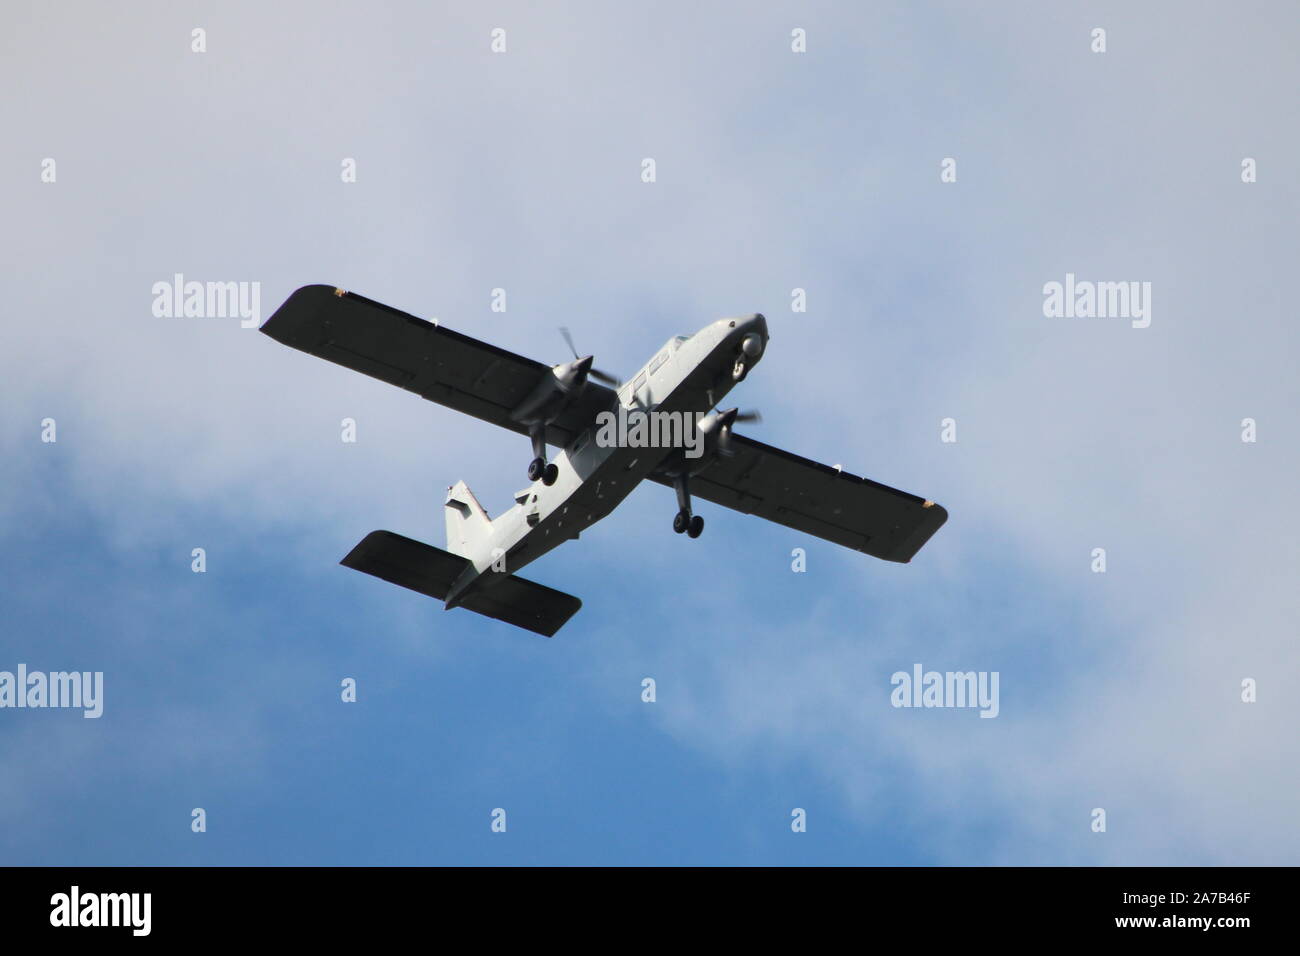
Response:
column 468, row 526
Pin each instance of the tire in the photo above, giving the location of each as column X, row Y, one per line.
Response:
column 680, row 522
column 550, row 474
column 536, row 468
column 697, row 527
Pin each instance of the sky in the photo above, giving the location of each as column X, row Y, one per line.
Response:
column 775, row 170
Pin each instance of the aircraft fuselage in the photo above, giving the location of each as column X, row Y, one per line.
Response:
column 688, row 377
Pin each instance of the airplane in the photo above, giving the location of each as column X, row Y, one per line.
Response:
column 560, row 406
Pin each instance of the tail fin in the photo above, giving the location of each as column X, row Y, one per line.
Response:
column 422, row 567
column 468, row 525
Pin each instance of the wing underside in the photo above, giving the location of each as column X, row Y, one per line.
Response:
column 438, row 364
column 819, row 500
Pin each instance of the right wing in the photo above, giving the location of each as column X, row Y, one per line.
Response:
column 819, row 500
column 435, row 363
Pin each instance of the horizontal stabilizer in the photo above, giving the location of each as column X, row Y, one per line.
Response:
column 429, row 570
column 406, row 562
column 526, row 604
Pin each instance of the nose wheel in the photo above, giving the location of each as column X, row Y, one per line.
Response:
column 684, row 521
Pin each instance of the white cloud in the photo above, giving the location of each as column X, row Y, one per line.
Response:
column 775, row 172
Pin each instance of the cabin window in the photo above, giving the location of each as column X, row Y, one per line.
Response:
column 640, row 381
column 659, row 360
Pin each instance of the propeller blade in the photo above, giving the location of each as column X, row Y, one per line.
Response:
column 595, row 373
column 730, row 418
column 569, row 338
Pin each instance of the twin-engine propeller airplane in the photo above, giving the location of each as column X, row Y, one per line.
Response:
column 562, row 406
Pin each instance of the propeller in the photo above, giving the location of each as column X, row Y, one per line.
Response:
column 595, row 373
column 726, row 420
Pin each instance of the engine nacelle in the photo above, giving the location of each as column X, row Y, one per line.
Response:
column 715, row 432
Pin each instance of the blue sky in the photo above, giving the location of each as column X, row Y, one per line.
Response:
column 775, row 171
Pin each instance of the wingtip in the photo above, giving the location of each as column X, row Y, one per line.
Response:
column 281, row 324
column 936, row 510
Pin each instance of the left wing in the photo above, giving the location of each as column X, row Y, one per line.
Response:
column 819, row 500
column 435, row 363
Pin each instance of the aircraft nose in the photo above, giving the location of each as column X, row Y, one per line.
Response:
column 756, row 322
column 755, row 340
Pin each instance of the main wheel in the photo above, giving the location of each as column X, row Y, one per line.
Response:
column 697, row 527
column 681, row 521
column 550, row 474
column 536, row 468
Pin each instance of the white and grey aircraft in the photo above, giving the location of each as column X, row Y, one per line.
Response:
column 560, row 406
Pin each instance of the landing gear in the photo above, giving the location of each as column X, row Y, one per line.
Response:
column 740, row 369
column 538, row 468
column 692, row 525
column 684, row 521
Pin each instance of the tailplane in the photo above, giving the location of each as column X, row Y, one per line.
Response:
column 424, row 568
